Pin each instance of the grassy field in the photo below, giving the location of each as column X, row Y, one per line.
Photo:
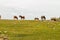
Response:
column 30, row 29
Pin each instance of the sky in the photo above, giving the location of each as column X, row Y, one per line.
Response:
column 29, row 8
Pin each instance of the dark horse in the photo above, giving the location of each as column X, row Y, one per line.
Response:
column 53, row 19
column 43, row 18
column 36, row 19
column 22, row 17
column 15, row 17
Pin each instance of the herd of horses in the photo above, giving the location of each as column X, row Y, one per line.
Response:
column 42, row 18
column 23, row 17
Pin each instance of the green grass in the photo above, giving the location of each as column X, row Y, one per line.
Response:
column 30, row 29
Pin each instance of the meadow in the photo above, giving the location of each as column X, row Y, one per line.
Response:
column 30, row 29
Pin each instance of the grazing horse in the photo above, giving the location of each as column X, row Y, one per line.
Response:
column 15, row 17
column 43, row 18
column 36, row 19
column 53, row 19
column 22, row 17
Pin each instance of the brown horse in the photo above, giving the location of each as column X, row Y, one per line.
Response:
column 36, row 19
column 43, row 18
column 53, row 19
column 15, row 17
column 22, row 17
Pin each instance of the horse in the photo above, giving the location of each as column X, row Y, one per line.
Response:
column 53, row 19
column 43, row 18
column 22, row 17
column 36, row 19
column 15, row 17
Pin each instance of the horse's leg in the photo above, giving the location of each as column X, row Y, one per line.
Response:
column 42, row 19
column 17, row 18
column 21, row 18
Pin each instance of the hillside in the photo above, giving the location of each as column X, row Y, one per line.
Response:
column 30, row 29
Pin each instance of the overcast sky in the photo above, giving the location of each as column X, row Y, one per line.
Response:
column 29, row 8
